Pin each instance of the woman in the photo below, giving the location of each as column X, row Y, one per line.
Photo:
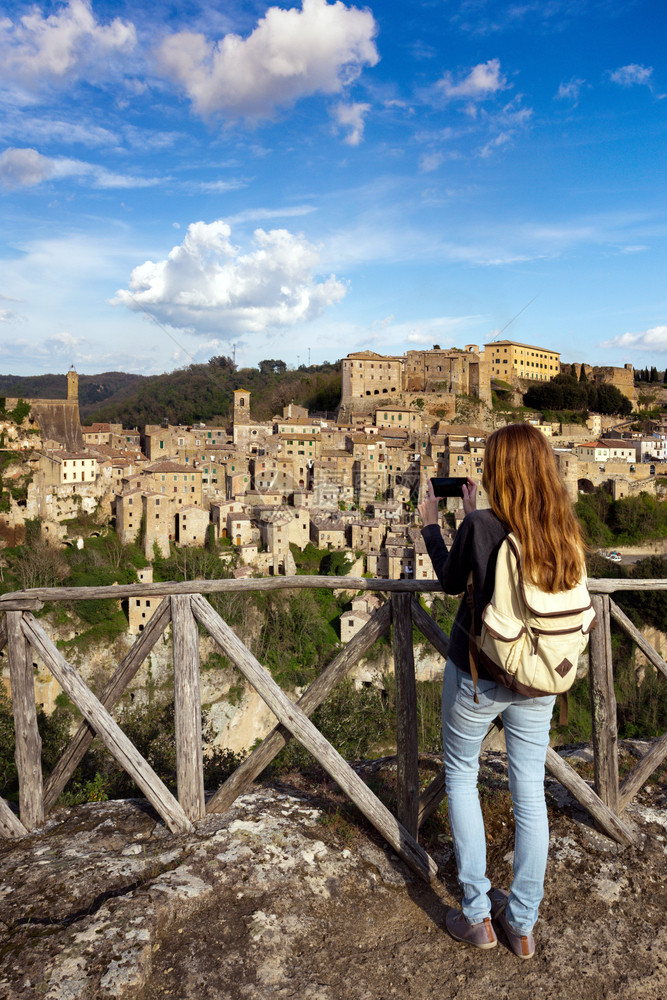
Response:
column 526, row 496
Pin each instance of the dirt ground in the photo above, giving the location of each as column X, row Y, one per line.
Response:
column 288, row 895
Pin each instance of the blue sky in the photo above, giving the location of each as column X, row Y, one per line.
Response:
column 180, row 180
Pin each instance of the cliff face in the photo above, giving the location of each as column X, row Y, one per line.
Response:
column 284, row 897
column 59, row 421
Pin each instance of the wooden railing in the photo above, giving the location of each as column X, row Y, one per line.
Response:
column 184, row 605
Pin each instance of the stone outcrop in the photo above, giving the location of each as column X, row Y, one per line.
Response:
column 288, row 895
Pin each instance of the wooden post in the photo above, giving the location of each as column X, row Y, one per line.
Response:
column 187, row 704
column 28, row 741
column 110, row 697
column 252, row 766
column 407, row 751
column 603, row 706
column 108, row 731
column 291, row 716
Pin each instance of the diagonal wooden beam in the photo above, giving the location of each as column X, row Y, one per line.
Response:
column 651, row 654
column 108, row 731
column 109, row 698
column 619, row 830
column 10, row 824
column 294, row 719
column 261, row 757
column 429, row 628
column 641, row 772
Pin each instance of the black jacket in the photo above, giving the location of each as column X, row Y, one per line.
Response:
column 474, row 548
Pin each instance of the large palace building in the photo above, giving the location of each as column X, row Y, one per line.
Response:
column 367, row 375
column 508, row 358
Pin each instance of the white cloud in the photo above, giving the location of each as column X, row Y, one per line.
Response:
column 351, row 116
column 493, row 144
column 570, row 91
column 28, row 167
column 207, row 286
column 38, row 129
column 291, row 54
column 482, row 81
column 654, row 340
column 430, row 161
column 632, row 74
column 36, row 49
column 63, row 343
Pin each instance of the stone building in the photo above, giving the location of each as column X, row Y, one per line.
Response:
column 141, row 609
column 63, row 468
column 327, row 533
column 509, row 359
column 191, row 525
column 367, row 375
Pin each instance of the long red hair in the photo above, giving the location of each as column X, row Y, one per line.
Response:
column 526, row 492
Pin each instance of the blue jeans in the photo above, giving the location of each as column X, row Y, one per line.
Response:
column 464, row 726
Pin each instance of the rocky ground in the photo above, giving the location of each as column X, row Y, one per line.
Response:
column 288, row 895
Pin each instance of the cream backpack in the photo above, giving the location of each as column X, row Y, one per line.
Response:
column 530, row 640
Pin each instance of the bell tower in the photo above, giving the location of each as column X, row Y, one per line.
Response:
column 241, row 406
column 72, row 385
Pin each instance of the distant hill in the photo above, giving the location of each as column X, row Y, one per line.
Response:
column 187, row 395
column 205, row 393
column 93, row 389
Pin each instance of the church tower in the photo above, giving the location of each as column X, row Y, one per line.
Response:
column 241, row 406
column 72, row 385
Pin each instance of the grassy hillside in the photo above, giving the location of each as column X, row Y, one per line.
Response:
column 199, row 392
column 205, row 392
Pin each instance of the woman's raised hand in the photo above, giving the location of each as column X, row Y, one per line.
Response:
column 469, row 491
column 428, row 508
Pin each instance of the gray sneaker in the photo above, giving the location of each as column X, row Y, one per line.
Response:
column 522, row 945
column 480, row 935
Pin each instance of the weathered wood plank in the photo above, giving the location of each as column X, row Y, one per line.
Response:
column 647, row 649
column 407, row 751
column 110, row 697
column 322, row 686
column 619, row 830
column 10, row 824
column 187, row 705
column 122, row 591
column 431, row 797
column 3, row 633
column 22, row 604
column 430, row 628
column 28, row 753
column 603, row 706
column 610, row 586
column 108, row 731
column 641, row 772
column 291, row 716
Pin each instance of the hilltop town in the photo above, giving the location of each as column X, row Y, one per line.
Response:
column 348, row 483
